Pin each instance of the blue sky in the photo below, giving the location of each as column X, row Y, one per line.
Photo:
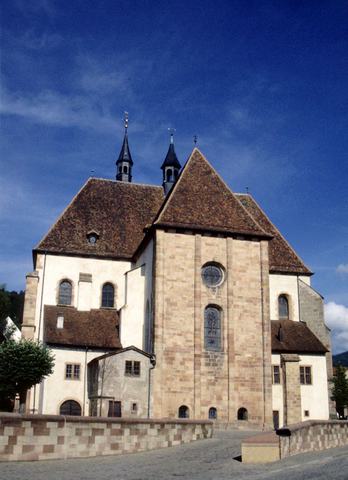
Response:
column 262, row 84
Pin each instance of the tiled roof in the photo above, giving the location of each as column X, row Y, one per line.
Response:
column 282, row 258
column 116, row 211
column 289, row 336
column 94, row 328
column 201, row 200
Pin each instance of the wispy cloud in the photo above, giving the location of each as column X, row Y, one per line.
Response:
column 336, row 316
column 342, row 268
column 33, row 7
column 53, row 108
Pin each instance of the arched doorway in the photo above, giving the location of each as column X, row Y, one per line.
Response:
column 70, row 407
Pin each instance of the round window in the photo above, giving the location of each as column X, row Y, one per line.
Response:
column 212, row 275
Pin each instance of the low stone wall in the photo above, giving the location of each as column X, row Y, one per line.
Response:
column 43, row 437
column 312, row 435
column 299, row 438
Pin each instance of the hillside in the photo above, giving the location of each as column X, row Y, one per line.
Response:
column 340, row 359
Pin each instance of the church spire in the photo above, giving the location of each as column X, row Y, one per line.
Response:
column 124, row 163
column 170, row 166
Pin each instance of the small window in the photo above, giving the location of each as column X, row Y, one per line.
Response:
column 108, row 295
column 65, row 293
column 212, row 275
column 132, row 368
column 114, row 409
column 134, row 407
column 183, row 412
column 212, row 328
column 125, row 169
column 275, row 374
column 283, row 307
column 306, row 413
column 70, row 407
column 60, row 321
column 169, row 175
column 306, row 375
column 212, row 413
column 242, row 414
column 72, row 371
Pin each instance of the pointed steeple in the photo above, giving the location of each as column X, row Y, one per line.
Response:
column 170, row 166
column 124, row 162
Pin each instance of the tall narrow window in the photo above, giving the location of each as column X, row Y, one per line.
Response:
column 212, row 328
column 283, row 307
column 65, row 293
column 108, row 295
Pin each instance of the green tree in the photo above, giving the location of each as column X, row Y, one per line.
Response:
column 11, row 305
column 22, row 365
column 340, row 390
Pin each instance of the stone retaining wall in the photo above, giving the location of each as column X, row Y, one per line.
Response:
column 43, row 437
column 299, row 438
column 312, row 435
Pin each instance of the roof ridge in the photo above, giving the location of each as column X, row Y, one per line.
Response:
column 177, row 183
column 119, row 182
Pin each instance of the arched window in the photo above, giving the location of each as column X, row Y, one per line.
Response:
column 242, row 414
column 212, row 413
column 212, row 328
column 125, row 169
column 65, row 293
column 283, row 307
column 70, row 407
column 184, row 412
column 169, row 175
column 108, row 295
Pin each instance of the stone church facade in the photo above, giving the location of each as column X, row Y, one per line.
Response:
column 176, row 300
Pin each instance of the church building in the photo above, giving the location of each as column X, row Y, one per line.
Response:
column 179, row 300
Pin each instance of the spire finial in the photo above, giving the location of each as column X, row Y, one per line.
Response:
column 125, row 122
column 171, row 132
column 195, row 138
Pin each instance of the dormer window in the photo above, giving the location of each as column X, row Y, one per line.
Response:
column 92, row 237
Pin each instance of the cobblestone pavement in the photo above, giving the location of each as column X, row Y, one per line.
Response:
column 203, row 460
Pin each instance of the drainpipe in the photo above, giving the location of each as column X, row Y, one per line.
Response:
column 84, row 383
column 40, row 319
column 152, row 366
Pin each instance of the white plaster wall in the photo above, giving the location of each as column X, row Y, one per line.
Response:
column 277, row 393
column 55, row 389
column 60, row 267
column 146, row 259
column 132, row 314
column 120, row 387
column 283, row 284
column 315, row 397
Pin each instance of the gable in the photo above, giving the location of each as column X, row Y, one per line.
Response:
column 201, row 200
column 117, row 211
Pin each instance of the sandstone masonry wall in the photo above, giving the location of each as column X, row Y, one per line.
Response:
column 238, row 376
column 44, row 437
column 313, row 435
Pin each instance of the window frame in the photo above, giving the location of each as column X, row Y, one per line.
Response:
column 275, row 375
column 132, row 368
column 107, row 284
column 61, row 282
column 75, row 371
column 214, row 265
column 305, row 373
column 285, row 297
column 218, row 335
